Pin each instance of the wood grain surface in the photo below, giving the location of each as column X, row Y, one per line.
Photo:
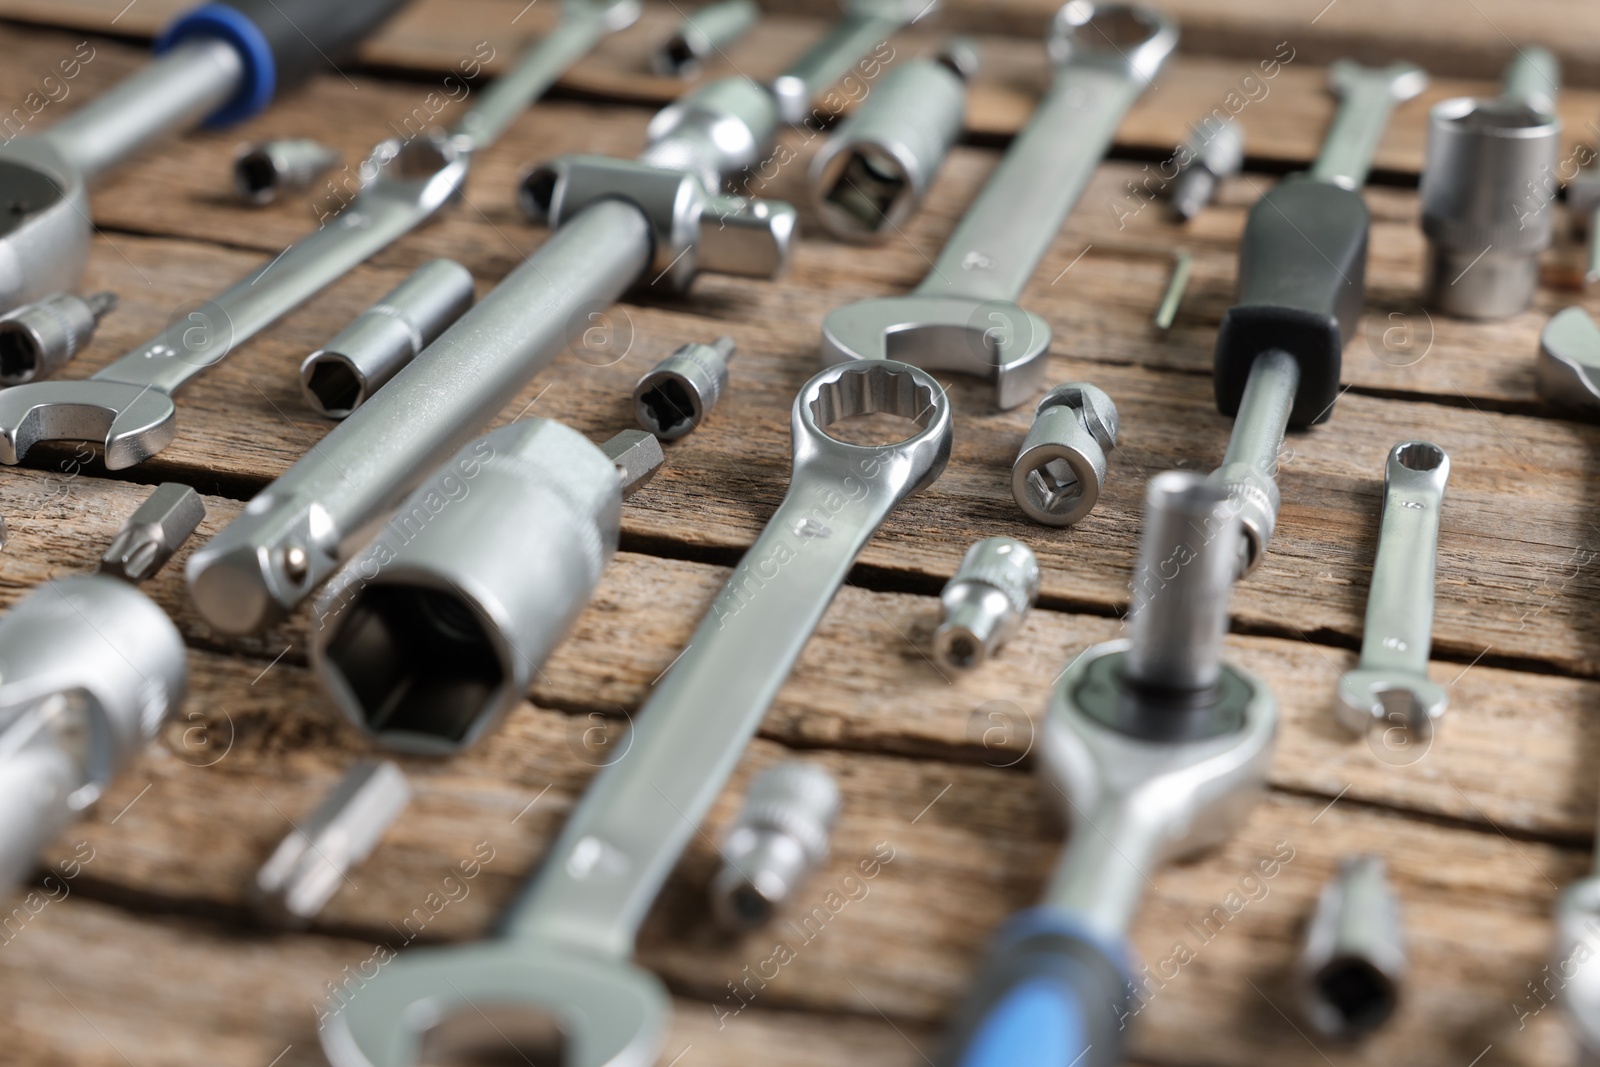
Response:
column 150, row 954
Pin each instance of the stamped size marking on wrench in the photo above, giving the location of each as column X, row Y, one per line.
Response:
column 964, row 316
column 1391, row 685
column 563, row 956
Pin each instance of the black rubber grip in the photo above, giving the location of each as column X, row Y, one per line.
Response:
column 312, row 36
column 1302, row 285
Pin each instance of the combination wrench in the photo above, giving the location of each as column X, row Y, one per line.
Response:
column 221, row 63
column 1157, row 749
column 662, row 218
column 964, row 317
column 563, row 954
column 1390, row 686
column 1302, row 281
column 128, row 404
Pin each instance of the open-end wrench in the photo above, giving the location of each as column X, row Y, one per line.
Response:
column 562, row 959
column 1302, row 282
column 661, row 219
column 1157, row 749
column 1390, row 686
column 128, row 404
column 223, row 61
column 90, row 668
column 964, row 316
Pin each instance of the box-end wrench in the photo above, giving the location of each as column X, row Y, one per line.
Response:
column 223, row 61
column 90, row 668
column 1157, row 749
column 618, row 222
column 563, row 955
column 964, row 316
column 128, row 405
column 865, row 25
column 1390, row 687
column 1302, row 281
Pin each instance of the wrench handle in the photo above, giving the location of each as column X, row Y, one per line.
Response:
column 829, row 60
column 1007, row 231
column 627, row 833
column 1399, row 624
column 1048, row 994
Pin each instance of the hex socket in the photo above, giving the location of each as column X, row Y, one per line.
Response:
column 779, row 837
column 339, row 377
column 1488, row 188
column 985, row 602
column 873, row 173
column 430, row 636
column 1354, row 959
column 1188, row 555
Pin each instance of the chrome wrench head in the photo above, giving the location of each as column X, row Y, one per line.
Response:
column 1131, row 37
column 128, row 407
column 551, row 1003
column 44, row 222
column 1391, row 684
column 1569, row 360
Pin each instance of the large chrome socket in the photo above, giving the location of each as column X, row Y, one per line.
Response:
column 430, row 636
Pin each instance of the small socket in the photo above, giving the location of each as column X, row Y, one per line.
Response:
column 985, row 602
column 702, row 35
column 315, row 858
column 38, row 339
column 156, row 530
column 678, row 393
column 1213, row 153
column 779, row 838
column 340, row 377
column 262, row 171
column 1058, row 474
column 1354, row 960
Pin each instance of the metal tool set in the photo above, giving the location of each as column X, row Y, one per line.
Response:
column 431, row 621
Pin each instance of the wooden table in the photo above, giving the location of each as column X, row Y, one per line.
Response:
column 148, row 955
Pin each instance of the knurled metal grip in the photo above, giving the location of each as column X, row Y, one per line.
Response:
column 1302, row 283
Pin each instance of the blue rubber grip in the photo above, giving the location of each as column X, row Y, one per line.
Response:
column 280, row 42
column 1049, row 994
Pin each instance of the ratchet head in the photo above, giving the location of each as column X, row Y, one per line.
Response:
column 527, row 1000
column 133, row 422
column 1569, row 360
column 44, row 222
column 987, row 338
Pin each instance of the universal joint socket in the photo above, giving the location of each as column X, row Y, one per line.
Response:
column 433, row 633
column 90, row 668
column 38, row 339
column 262, row 171
column 676, row 395
column 1213, row 153
column 702, row 35
column 339, row 377
column 779, row 838
column 870, row 177
column 1354, row 960
column 1058, row 474
column 723, row 128
column 1488, row 192
column 986, row 601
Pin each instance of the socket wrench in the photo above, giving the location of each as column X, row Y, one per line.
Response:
column 90, row 668
column 1158, row 750
column 1391, row 687
column 220, row 63
column 1488, row 187
column 615, row 220
column 964, row 316
column 868, row 180
column 431, row 635
column 128, row 404
column 563, row 954
column 1302, row 283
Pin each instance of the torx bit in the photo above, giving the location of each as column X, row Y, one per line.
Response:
column 153, row 532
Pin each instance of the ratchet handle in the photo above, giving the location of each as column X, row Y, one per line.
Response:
column 1049, row 994
column 1302, row 284
column 282, row 42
